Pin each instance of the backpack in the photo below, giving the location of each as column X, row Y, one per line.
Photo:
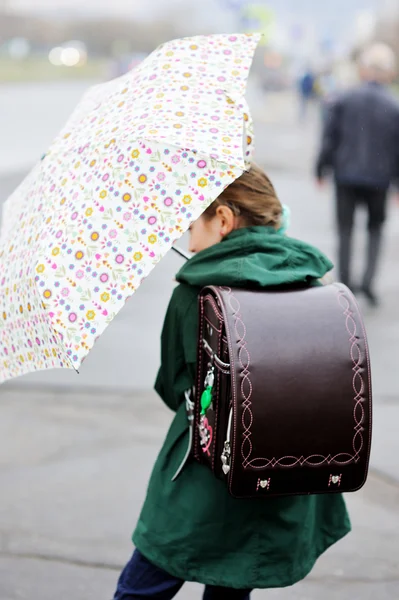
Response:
column 283, row 392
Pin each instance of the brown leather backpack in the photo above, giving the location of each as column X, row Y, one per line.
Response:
column 283, row 402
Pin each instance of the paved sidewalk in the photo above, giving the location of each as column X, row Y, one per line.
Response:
column 68, row 504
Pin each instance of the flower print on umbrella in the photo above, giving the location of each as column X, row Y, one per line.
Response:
column 160, row 230
column 105, row 180
column 106, row 244
column 76, row 220
column 105, row 297
column 107, row 241
column 85, row 268
column 112, row 288
column 79, row 274
column 142, row 179
column 211, row 175
column 155, row 185
column 134, row 208
column 125, row 161
column 84, row 325
column 113, row 190
column 131, row 266
column 59, row 301
column 181, row 209
column 152, row 239
column 127, row 216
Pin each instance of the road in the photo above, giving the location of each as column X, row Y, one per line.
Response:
column 67, row 507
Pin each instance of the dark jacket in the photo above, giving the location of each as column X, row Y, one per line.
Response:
column 361, row 138
column 193, row 528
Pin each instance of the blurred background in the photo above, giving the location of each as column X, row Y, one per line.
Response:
column 76, row 451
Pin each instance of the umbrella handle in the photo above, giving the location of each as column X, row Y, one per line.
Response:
column 185, row 255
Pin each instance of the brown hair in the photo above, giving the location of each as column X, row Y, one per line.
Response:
column 251, row 197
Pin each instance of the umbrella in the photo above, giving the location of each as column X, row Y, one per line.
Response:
column 140, row 158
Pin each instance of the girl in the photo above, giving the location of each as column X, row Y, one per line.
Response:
column 192, row 529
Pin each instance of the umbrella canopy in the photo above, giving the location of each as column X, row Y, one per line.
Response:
column 140, row 159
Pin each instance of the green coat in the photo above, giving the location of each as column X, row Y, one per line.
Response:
column 193, row 528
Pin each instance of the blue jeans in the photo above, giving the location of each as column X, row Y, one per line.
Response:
column 141, row 580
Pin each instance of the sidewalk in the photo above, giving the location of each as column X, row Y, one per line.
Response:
column 68, row 506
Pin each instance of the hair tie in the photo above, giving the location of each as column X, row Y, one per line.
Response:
column 285, row 220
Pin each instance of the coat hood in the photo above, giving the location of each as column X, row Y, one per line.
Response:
column 255, row 257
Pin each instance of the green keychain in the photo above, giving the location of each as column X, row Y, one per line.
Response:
column 206, row 396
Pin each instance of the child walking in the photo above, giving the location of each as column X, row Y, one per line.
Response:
column 192, row 529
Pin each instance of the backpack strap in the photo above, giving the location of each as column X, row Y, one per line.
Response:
column 189, row 395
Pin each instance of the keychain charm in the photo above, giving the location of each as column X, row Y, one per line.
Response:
column 206, row 396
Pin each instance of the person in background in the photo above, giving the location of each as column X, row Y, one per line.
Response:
column 360, row 145
column 327, row 90
column 306, row 92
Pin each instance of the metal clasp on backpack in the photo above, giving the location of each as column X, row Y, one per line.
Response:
column 226, row 454
column 222, row 366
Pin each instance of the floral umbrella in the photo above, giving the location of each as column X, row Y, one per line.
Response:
column 140, row 159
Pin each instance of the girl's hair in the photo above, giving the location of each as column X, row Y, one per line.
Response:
column 251, row 197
